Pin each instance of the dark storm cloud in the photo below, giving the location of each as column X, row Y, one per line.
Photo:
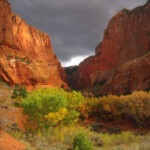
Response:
column 75, row 26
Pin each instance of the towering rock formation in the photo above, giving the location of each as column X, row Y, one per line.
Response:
column 126, row 38
column 26, row 54
column 6, row 32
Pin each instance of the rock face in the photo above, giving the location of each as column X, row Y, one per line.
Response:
column 26, row 54
column 132, row 76
column 126, row 38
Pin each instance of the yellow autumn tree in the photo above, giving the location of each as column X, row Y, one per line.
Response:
column 54, row 118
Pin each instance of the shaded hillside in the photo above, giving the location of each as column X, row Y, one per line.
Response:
column 132, row 76
column 126, row 38
column 70, row 70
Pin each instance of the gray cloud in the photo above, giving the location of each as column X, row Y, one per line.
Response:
column 75, row 26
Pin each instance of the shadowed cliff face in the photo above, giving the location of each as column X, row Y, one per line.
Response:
column 126, row 38
column 132, row 76
column 26, row 54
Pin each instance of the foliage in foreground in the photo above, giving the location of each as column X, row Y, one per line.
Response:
column 81, row 142
column 135, row 106
column 47, row 107
column 62, row 138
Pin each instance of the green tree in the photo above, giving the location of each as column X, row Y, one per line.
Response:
column 49, row 102
column 82, row 143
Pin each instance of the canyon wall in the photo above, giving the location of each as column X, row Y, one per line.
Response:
column 132, row 76
column 127, row 37
column 26, row 54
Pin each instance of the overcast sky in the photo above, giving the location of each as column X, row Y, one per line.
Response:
column 74, row 26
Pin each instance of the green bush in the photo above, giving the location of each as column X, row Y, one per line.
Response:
column 1, row 81
column 44, row 105
column 82, row 143
column 19, row 91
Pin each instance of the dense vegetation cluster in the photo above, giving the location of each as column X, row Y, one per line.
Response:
column 47, row 107
column 135, row 107
column 71, row 70
column 55, row 119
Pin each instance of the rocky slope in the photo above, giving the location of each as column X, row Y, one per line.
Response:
column 26, row 54
column 126, row 38
column 9, row 143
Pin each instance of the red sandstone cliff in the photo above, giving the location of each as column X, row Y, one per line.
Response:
column 126, row 38
column 132, row 76
column 26, row 54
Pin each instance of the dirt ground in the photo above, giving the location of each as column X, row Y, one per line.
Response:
column 9, row 143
